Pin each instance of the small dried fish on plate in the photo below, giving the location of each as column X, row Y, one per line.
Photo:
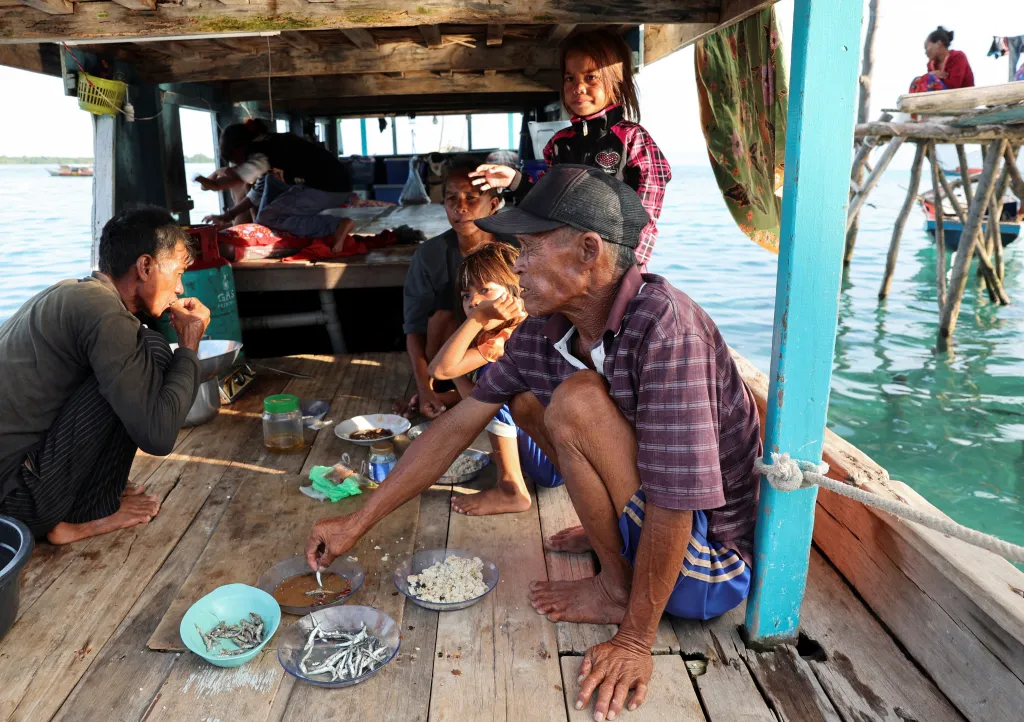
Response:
column 344, row 655
column 246, row 635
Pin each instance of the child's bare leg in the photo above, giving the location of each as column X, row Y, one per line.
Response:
column 509, row 495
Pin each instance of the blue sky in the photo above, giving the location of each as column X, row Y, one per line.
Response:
column 47, row 123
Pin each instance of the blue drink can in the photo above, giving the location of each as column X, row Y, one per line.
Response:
column 382, row 460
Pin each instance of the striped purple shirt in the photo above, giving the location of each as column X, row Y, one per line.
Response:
column 671, row 374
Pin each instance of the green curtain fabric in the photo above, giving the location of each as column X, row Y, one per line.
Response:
column 741, row 84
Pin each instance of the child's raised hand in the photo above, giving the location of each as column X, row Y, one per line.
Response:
column 490, row 175
column 500, row 310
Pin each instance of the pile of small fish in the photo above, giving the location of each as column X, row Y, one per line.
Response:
column 247, row 634
column 355, row 653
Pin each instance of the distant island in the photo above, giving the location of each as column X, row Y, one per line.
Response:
column 42, row 160
column 56, row 160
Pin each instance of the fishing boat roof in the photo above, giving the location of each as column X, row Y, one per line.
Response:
column 334, row 59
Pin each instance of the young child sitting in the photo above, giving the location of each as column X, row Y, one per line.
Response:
column 490, row 301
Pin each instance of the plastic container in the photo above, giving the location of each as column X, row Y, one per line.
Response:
column 424, row 559
column 291, row 645
column 229, row 604
column 382, row 460
column 16, row 545
column 352, row 572
column 282, row 423
column 388, row 193
column 396, row 170
column 100, row 96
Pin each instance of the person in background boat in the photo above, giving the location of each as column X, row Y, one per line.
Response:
column 630, row 386
column 84, row 383
column 492, row 310
column 947, row 69
column 429, row 294
column 238, row 194
column 599, row 91
column 292, row 181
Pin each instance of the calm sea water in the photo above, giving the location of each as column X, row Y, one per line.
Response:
column 950, row 425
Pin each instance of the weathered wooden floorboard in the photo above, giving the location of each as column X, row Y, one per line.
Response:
column 498, row 660
column 557, row 513
column 945, row 648
column 670, row 697
column 724, row 683
column 104, row 580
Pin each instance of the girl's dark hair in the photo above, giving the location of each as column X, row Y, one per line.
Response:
column 614, row 58
column 238, row 136
column 491, row 263
column 941, row 35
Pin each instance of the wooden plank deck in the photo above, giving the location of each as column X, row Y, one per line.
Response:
column 97, row 637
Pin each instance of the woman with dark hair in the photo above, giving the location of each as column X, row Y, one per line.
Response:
column 599, row 91
column 947, row 69
column 292, row 181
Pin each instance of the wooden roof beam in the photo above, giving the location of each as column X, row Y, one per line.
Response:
column 101, row 20
column 51, row 7
column 301, row 41
column 431, row 35
column 362, row 39
column 560, row 33
column 137, row 4
column 366, row 85
column 205, row 65
column 495, row 35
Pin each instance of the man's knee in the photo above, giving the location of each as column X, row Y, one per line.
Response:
column 574, row 402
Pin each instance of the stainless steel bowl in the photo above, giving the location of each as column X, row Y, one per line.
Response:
column 479, row 456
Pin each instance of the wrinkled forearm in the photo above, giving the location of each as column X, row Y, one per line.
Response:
column 663, row 541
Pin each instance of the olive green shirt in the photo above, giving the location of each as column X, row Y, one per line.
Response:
column 60, row 337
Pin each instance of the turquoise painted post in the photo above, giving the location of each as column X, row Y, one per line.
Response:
column 511, row 135
column 362, row 133
column 823, row 90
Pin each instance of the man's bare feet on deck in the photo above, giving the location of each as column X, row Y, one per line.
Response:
column 133, row 489
column 590, row 600
column 573, row 540
column 135, row 509
column 505, row 498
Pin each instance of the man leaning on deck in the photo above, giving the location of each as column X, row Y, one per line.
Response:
column 629, row 385
column 84, row 384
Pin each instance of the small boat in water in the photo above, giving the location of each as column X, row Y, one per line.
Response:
column 1009, row 225
column 71, row 171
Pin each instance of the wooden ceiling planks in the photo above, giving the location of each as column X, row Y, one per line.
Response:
column 196, row 17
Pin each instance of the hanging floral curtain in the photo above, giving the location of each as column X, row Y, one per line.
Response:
column 741, row 83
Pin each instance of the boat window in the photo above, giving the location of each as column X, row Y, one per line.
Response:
column 200, row 158
column 282, row 125
column 496, row 130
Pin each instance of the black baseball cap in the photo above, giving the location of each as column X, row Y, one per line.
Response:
column 580, row 196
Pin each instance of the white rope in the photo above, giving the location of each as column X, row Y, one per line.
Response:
column 786, row 474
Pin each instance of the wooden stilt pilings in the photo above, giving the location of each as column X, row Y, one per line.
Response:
column 940, row 235
column 1015, row 177
column 876, row 175
column 965, row 172
column 901, row 220
column 968, row 240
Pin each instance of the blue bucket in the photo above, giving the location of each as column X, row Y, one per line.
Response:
column 16, row 545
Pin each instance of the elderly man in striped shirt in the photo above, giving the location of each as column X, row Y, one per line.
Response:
column 629, row 385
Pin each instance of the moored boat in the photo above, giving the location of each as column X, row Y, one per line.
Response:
column 71, row 171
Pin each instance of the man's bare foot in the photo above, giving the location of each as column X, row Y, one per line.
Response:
column 594, row 600
column 135, row 509
column 507, row 497
column 573, row 540
column 133, row 489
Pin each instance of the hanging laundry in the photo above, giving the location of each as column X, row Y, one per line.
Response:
column 998, row 47
column 743, row 94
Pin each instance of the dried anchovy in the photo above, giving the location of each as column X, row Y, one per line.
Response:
column 247, row 635
column 355, row 653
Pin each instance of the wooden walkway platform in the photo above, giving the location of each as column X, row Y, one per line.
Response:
column 97, row 634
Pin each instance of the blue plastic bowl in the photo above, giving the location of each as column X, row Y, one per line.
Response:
column 230, row 603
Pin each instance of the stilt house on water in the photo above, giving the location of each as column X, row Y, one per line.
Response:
column 855, row 614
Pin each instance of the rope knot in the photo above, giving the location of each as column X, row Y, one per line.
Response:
column 787, row 474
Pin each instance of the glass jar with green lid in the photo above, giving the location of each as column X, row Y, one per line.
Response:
column 282, row 423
